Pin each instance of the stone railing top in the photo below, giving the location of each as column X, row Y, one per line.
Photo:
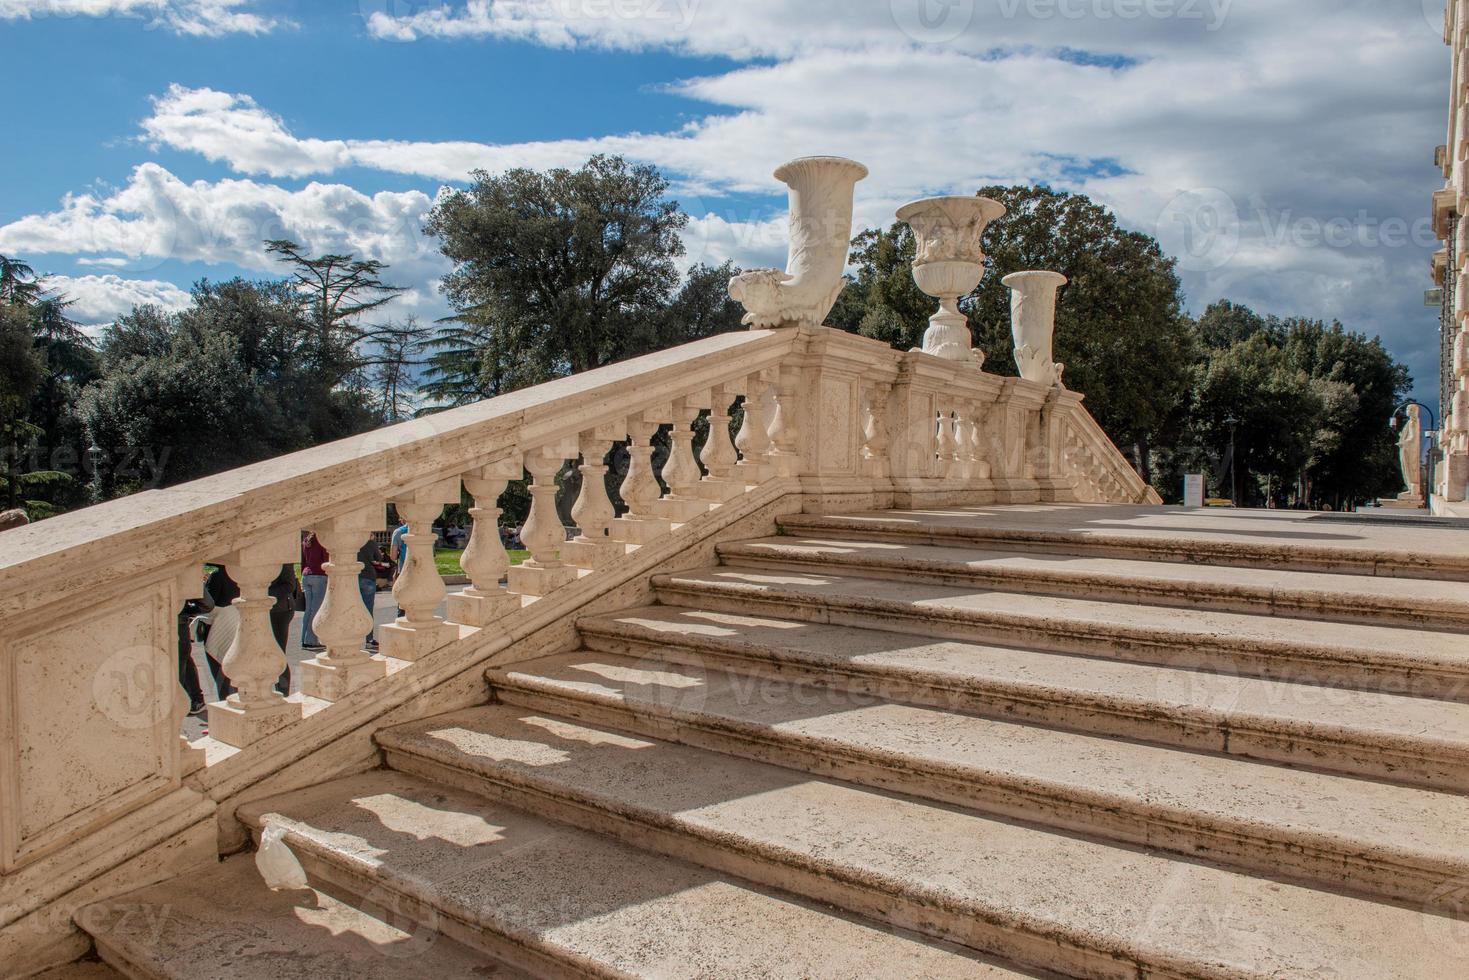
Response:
column 103, row 546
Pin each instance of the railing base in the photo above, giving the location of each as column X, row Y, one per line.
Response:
column 472, row 609
column 404, row 642
column 321, row 678
column 539, row 580
column 240, row 726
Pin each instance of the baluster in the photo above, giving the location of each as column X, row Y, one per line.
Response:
column 344, row 622
column 980, row 466
column 719, row 456
column 544, row 534
column 681, row 472
column 944, row 446
column 640, row 488
column 419, row 631
column 254, row 660
column 484, row 559
column 959, row 468
column 593, row 547
column 753, row 439
column 784, row 432
column 875, row 429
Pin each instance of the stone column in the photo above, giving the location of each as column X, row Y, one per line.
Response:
column 681, row 472
column 875, row 462
column 254, row 661
column 484, row 559
column 753, row 439
column 639, row 488
column 543, row 534
column 343, row 620
column 719, row 456
column 594, row 547
column 785, row 439
column 419, row 589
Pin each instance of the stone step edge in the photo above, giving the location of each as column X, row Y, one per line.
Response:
column 1374, row 670
column 1008, row 934
column 1306, row 603
column 1297, row 557
column 1270, row 738
column 365, row 886
column 1295, row 856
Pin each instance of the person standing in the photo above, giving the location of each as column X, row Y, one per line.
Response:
column 367, row 584
column 313, row 582
column 398, row 548
column 284, row 589
column 188, row 673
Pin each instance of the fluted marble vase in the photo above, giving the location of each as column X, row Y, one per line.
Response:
column 821, row 191
column 949, row 264
column 1033, row 324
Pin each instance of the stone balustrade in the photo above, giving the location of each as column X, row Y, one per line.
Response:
column 95, row 779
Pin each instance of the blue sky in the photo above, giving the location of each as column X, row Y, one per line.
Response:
column 1282, row 150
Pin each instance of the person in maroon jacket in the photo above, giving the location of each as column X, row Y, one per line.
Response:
column 313, row 582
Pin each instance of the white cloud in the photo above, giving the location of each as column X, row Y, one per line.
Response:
column 102, row 299
column 1316, row 111
column 197, row 18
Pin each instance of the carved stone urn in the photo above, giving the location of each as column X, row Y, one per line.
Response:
column 949, row 264
column 1033, row 324
column 821, row 190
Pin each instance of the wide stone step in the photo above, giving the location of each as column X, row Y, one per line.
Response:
column 1052, row 900
column 1380, row 839
column 563, row 902
column 1392, row 659
column 1419, row 741
column 1257, row 539
column 223, row 923
column 1313, row 595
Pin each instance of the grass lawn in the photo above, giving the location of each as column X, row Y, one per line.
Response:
column 448, row 559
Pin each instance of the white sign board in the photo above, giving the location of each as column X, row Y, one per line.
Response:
column 1193, row 490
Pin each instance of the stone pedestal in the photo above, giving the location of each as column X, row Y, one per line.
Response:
column 233, row 724
column 640, row 530
column 406, row 641
column 539, row 580
column 473, row 609
column 592, row 555
column 679, row 510
column 330, row 681
column 1456, row 476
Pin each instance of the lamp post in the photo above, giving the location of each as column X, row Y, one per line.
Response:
column 95, row 454
column 1432, row 434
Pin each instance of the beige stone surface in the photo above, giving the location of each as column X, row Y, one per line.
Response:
column 1368, row 598
column 1395, row 659
column 1396, row 841
column 583, row 902
column 1254, row 538
column 1355, row 732
column 1075, row 905
column 222, row 923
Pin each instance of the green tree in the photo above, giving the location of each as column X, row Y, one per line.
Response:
column 564, row 268
column 339, row 290
column 225, row 382
column 18, row 282
column 21, row 374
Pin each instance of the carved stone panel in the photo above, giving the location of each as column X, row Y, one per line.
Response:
column 90, row 728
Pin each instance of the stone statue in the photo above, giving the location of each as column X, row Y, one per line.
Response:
column 1033, row 324
column 948, row 263
column 821, row 191
column 1410, row 453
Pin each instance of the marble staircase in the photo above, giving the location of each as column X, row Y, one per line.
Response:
column 1037, row 740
